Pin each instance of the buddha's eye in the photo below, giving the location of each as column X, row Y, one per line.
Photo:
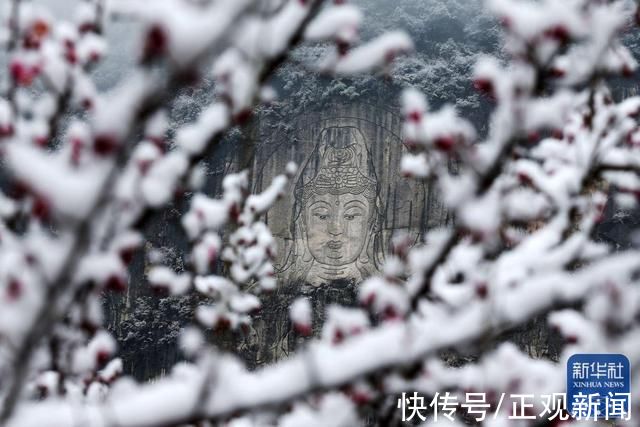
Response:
column 350, row 216
column 321, row 215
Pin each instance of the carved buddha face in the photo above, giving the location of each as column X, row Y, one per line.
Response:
column 337, row 226
column 336, row 211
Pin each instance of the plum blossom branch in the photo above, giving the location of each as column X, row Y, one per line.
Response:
column 555, row 131
column 97, row 158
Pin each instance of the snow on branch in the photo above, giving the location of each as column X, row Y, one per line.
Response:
column 526, row 198
column 78, row 193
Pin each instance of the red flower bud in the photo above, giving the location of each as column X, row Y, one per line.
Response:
column 115, row 283
column 40, row 28
column 6, row 130
column 359, row 397
column 105, row 145
column 558, row 32
column 369, row 300
column 14, row 289
column 524, row 178
column 19, row 190
column 76, row 150
column 557, row 72
column 126, row 254
column 102, row 356
column 484, row 85
column 338, row 336
column 41, row 208
column 234, row 212
column 445, row 143
column 243, row 116
column 533, row 136
column 410, row 144
column 71, row 56
column 482, row 290
column 505, row 21
column 41, row 141
column 571, row 339
column 94, row 56
column 87, row 103
column 357, row 330
column 85, row 27
column 22, row 74
column 38, row 32
column 414, row 116
column 390, row 313
column 89, row 326
column 342, row 46
column 303, row 329
column 143, row 166
column 161, row 290
column 223, row 324
column 156, row 42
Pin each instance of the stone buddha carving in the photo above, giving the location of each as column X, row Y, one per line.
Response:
column 336, row 218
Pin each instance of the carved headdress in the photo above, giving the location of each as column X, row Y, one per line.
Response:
column 343, row 166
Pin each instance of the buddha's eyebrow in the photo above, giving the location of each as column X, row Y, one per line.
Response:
column 320, row 202
column 350, row 202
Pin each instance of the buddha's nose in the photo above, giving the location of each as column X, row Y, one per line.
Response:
column 335, row 227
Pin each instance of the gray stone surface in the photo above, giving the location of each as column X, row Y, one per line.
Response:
column 348, row 199
column 333, row 229
column 334, row 225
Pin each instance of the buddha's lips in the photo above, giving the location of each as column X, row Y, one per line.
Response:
column 334, row 244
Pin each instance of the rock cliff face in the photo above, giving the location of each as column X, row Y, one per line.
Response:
column 333, row 227
column 349, row 197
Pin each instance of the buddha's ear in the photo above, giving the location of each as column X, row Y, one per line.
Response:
column 306, row 254
column 302, row 250
column 304, row 244
column 365, row 254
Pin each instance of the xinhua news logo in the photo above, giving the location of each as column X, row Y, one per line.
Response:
column 598, row 387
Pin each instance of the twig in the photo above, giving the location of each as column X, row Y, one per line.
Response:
column 49, row 312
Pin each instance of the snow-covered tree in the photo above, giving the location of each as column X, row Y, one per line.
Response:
column 86, row 169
